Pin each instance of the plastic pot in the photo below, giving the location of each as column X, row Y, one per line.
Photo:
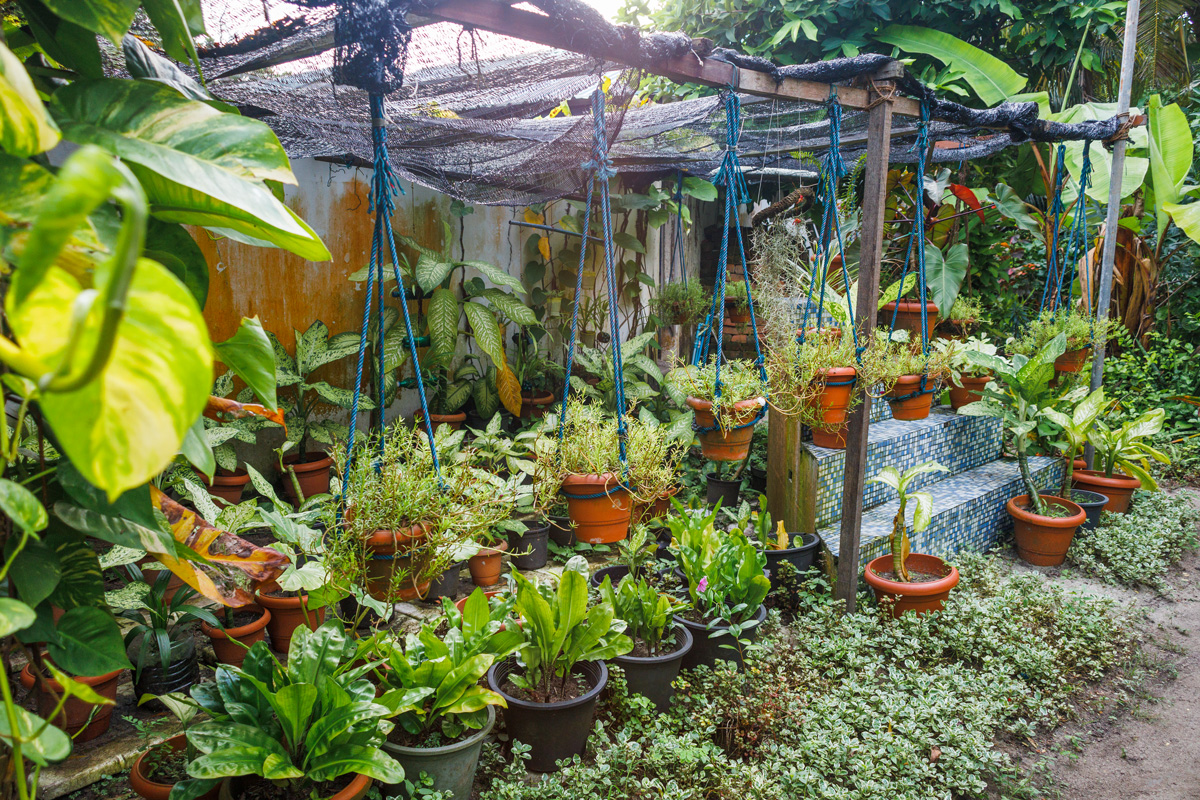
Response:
column 455, row 421
column 452, row 766
column 614, row 573
column 660, row 507
column 534, row 406
column 758, row 480
column 652, row 676
column 73, row 719
column 725, row 491
column 561, row 532
column 908, row 317
column 1118, row 489
column 446, row 584
column 287, row 614
column 707, row 651
column 920, row 598
column 968, row 390
column 230, row 788
column 733, row 443
column 1072, row 360
column 553, row 731
column 531, row 549
column 1044, row 541
column 225, row 641
column 390, row 556
column 1092, row 504
column 602, row 519
column 312, row 474
column 833, row 404
column 911, row 407
column 178, row 677
column 151, row 789
column 485, row 565
column 229, row 485
column 802, row 557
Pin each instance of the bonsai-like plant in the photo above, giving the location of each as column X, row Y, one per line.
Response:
column 646, row 612
column 891, row 359
column 922, row 513
column 1126, row 448
column 679, row 303
column 966, row 312
column 1076, row 430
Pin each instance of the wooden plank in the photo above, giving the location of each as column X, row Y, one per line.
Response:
column 879, row 125
column 532, row 27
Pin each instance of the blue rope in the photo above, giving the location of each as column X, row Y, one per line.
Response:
column 1079, row 234
column 1056, row 209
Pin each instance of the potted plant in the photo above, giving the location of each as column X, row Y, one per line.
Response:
column 1043, row 525
column 655, row 455
column 965, row 314
column 551, row 688
column 907, row 314
column 1079, row 329
column 726, row 583
column 679, row 303
column 535, row 372
column 635, row 556
column 1075, row 428
column 912, row 378
column 590, row 472
column 236, row 631
column 312, row 728
column 737, row 302
column 905, row 581
column 229, row 421
column 818, row 381
column 159, row 767
column 84, row 712
column 799, row 550
column 659, row 642
column 299, row 596
column 725, row 415
column 1123, row 448
column 638, row 372
column 967, row 380
column 446, row 393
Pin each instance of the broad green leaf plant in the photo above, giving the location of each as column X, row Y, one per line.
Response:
column 1126, row 448
column 315, row 348
column 1076, row 428
column 922, row 511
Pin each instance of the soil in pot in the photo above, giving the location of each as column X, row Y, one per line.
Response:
column 932, row 580
column 600, row 510
column 724, row 491
column 652, row 675
column 707, row 650
column 1092, row 503
column 968, row 390
column 801, row 556
column 228, row 485
column 908, row 401
column 485, row 566
column 346, row 787
column 614, row 573
column 158, row 769
column 530, row 550
column 75, row 713
column 733, row 443
column 1044, row 541
column 452, row 765
column 287, row 614
column 1118, row 489
column 249, row 625
column 312, row 473
column 908, row 317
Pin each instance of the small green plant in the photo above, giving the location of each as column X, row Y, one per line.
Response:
column 966, row 311
column 1079, row 329
column 740, row 381
column 957, row 355
column 679, row 303
column 1126, row 447
column 640, row 374
column 161, row 626
column 737, row 297
column 922, row 513
column 646, row 611
column 724, row 571
column 1076, row 429
column 315, row 348
column 535, row 370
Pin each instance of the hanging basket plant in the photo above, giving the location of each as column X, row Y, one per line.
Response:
column 725, row 411
column 1080, row 330
column 909, row 380
column 819, row 381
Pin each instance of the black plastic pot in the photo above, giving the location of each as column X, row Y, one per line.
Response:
column 1092, row 503
column 707, row 651
column 530, row 550
column 614, row 573
column 179, row 677
column 725, row 491
column 553, row 731
column 801, row 557
column 446, row 584
column 561, row 531
column 452, row 767
column 349, row 610
column 758, row 480
column 651, row 676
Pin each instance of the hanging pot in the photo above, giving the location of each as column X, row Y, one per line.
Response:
column 287, row 614
column 1119, row 488
column 1072, row 360
column 73, row 719
column 908, row 317
column 530, row 549
column 312, row 474
column 707, row 651
column 652, row 676
column 920, row 598
column 227, row 485
column 535, row 404
column 832, row 404
column 735, row 313
column 1044, row 541
column 967, row 390
column 916, row 406
column 485, row 566
column 145, row 786
column 451, row 766
column 390, row 554
column 722, row 490
column 733, row 443
column 600, row 510
column 225, row 641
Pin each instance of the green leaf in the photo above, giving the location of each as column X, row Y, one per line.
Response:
column 510, row 307
column 49, row 747
column 496, row 275
column 196, row 450
column 699, row 189
column 945, row 274
column 923, row 512
column 35, row 571
column 430, row 272
column 25, row 127
column 142, row 62
column 486, row 331
column 89, row 643
column 442, row 320
column 1187, row 217
column 252, row 358
column 67, row 43
column 14, row 616
column 1170, row 156
column 21, row 506
column 177, row 21
column 81, row 582
column 628, row 241
column 197, row 165
column 109, row 18
column 171, row 245
column 990, row 78
column 337, row 396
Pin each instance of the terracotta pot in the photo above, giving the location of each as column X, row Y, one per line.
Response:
column 228, row 485
column 73, row 719
column 1044, row 541
column 832, row 404
column 969, row 391
column 533, row 406
column 151, row 789
column 229, row 789
column 312, row 474
column 455, row 421
column 598, row 520
column 909, row 317
column 390, row 553
column 910, row 408
column 736, row 317
column 1118, row 489
column 485, row 565
column 287, row 614
column 1072, row 360
column 225, row 640
column 733, row 444
column 917, row 597
column 659, row 508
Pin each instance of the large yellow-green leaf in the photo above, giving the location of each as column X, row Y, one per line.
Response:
column 25, row 128
column 197, row 165
column 1170, row 156
column 109, row 18
column 122, row 429
column 1187, row 217
column 990, row 78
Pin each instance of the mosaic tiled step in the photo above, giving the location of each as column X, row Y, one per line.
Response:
column 968, row 510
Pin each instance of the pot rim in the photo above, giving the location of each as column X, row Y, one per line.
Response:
column 357, row 785
column 742, row 405
column 386, row 540
column 240, row 477
column 1115, row 482
column 759, row 618
column 590, row 479
column 28, row 681
column 1103, row 498
column 943, row 584
column 981, row 380
column 838, row 372
column 238, row 631
column 136, row 769
column 282, row 603
column 1065, row 523
column 457, row 416
column 497, row 549
column 709, row 476
column 446, row 749
column 675, row 655
column 910, row 304
column 809, row 544
column 590, row 696
column 546, row 398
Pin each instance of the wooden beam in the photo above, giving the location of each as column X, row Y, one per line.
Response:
column 499, row 17
column 879, row 141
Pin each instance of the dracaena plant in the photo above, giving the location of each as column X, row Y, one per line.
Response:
column 724, row 571
column 561, row 630
column 637, row 372
column 299, row 726
column 1126, row 448
column 1076, row 427
column 922, row 511
column 645, row 610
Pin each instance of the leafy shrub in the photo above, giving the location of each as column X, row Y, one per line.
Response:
column 1142, row 378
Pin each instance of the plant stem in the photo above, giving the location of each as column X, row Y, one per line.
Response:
column 1035, row 499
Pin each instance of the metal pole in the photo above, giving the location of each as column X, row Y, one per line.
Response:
column 1109, row 253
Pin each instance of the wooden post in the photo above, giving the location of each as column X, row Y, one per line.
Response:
column 879, row 140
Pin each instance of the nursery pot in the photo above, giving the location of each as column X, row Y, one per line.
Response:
column 451, row 766
column 659, row 507
column 287, row 614
column 390, row 554
column 1092, row 504
column 485, row 565
column 917, row 597
column 908, row 317
column 455, row 420
column 231, row 789
column 1118, row 489
column 832, row 404
column 1072, row 360
column 228, row 485
column 614, row 573
column 970, row 390
column 553, row 731
column 446, row 584
column 533, row 406
column 178, row 677
column 600, row 510
column 312, row 474
column 530, row 549
column 652, row 676
column 149, row 788
column 225, row 641
column 758, row 480
column 1044, row 541
column 802, row 557
column 707, row 651
column 911, row 407
column 732, row 444
column 561, row 532
column 725, row 491
column 73, row 719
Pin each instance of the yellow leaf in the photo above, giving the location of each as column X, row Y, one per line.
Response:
column 509, row 388
column 544, row 246
column 534, row 217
